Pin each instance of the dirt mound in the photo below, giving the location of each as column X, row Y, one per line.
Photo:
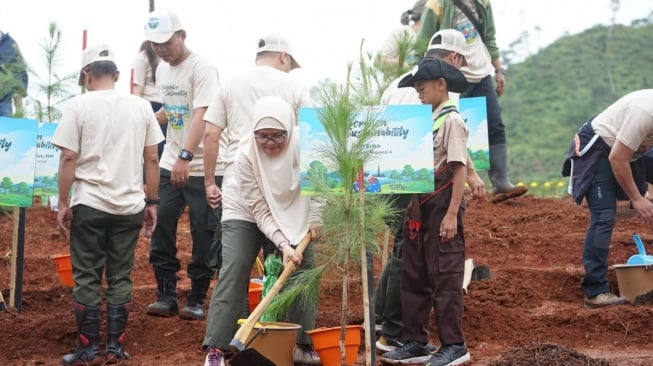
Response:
column 645, row 299
column 533, row 247
column 546, row 354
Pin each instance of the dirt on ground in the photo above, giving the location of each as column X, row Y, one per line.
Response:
column 529, row 313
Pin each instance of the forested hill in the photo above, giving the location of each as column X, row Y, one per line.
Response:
column 549, row 95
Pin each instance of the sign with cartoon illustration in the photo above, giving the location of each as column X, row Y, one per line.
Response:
column 474, row 113
column 17, row 161
column 47, row 163
column 402, row 160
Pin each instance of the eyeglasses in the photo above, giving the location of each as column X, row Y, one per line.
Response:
column 276, row 138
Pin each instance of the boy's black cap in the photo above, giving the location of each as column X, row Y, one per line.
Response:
column 433, row 69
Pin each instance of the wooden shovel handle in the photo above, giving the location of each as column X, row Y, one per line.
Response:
column 243, row 332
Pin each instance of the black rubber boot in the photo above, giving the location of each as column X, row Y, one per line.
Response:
column 501, row 189
column 88, row 334
column 166, row 304
column 117, row 316
column 498, row 172
column 194, row 309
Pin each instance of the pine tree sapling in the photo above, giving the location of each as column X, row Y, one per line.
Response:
column 349, row 221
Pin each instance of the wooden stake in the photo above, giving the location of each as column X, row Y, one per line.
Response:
column 364, row 279
column 12, row 262
column 384, row 252
column 17, row 260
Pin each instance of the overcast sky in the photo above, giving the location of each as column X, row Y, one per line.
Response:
column 326, row 35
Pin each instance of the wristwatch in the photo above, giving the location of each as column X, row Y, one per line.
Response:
column 185, row 155
column 152, row 201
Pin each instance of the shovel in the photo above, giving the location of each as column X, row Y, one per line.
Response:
column 251, row 357
column 642, row 257
column 474, row 273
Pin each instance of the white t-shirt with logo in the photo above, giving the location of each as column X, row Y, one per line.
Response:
column 184, row 87
column 478, row 58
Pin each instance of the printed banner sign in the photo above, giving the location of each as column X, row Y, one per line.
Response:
column 402, row 160
column 17, row 161
column 474, row 113
column 47, row 163
column 403, row 147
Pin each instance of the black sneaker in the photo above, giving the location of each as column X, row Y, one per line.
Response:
column 410, row 353
column 449, row 355
column 387, row 344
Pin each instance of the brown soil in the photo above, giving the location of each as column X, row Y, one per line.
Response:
column 530, row 313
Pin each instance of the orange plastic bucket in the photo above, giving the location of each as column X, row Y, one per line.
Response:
column 326, row 342
column 64, row 269
column 254, row 294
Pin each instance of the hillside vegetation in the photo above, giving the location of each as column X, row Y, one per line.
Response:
column 549, row 95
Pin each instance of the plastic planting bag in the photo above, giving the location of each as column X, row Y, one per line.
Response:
column 273, row 266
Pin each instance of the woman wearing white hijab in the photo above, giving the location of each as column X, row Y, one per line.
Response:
column 267, row 174
column 270, row 176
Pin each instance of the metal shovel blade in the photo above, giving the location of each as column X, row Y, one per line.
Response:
column 3, row 305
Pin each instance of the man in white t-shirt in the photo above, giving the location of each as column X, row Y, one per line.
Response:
column 106, row 138
column 607, row 162
column 231, row 112
column 187, row 82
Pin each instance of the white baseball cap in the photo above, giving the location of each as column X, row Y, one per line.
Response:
column 275, row 42
column 449, row 40
column 161, row 25
column 100, row 52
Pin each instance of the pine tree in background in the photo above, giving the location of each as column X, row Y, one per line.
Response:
column 54, row 88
